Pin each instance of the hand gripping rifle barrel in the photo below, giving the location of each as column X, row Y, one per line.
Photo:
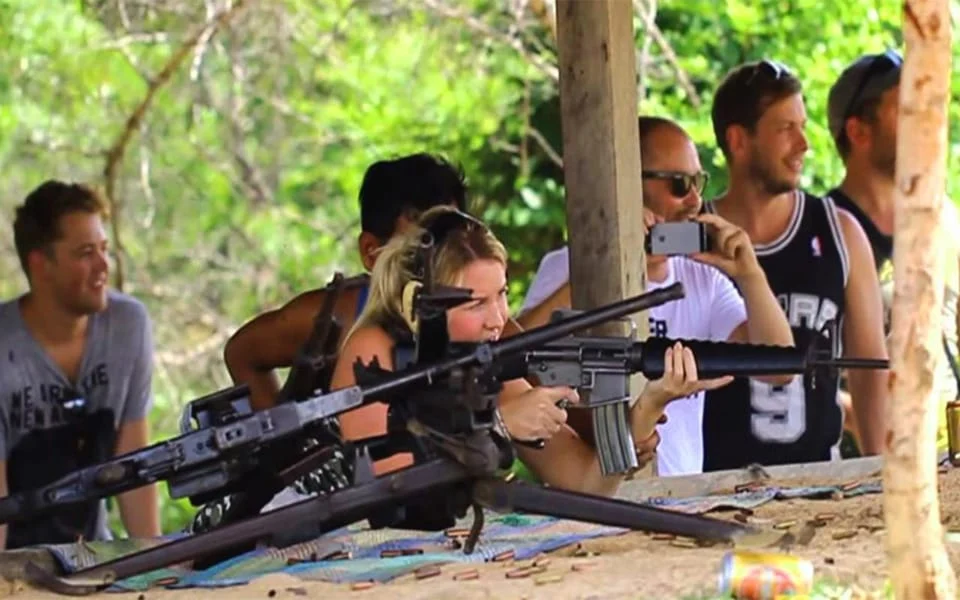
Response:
column 206, row 459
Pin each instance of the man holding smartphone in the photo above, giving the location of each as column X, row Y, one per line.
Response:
column 673, row 181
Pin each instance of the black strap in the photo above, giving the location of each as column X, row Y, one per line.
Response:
column 953, row 363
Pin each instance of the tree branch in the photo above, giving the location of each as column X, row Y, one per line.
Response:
column 202, row 44
column 114, row 156
column 479, row 26
column 158, row 37
column 650, row 26
column 548, row 149
column 643, row 66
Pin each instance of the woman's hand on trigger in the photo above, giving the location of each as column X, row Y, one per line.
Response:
column 535, row 414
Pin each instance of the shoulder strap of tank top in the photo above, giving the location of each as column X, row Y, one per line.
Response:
column 833, row 220
column 362, row 298
column 363, row 279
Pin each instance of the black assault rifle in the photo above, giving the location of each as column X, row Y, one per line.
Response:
column 209, row 460
column 601, row 367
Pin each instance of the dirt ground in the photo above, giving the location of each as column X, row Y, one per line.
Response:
column 848, row 548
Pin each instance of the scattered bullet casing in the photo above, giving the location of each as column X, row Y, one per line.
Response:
column 457, row 533
column 850, row 485
column 825, row 516
column 362, row 585
column 544, row 579
column 427, row 571
column 466, row 575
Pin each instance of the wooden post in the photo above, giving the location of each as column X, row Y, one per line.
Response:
column 918, row 563
column 601, row 164
column 601, row 152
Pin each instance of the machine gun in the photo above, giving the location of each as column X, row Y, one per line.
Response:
column 209, row 460
column 312, row 369
column 312, row 471
column 449, row 413
column 600, row 368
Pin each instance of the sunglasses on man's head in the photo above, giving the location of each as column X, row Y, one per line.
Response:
column 880, row 64
column 680, row 183
column 770, row 69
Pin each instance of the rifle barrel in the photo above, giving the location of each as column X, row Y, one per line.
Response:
column 530, row 339
column 534, row 338
column 851, row 363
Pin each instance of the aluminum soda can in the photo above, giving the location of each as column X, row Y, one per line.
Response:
column 762, row 576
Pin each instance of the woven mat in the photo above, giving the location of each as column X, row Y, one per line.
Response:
column 358, row 554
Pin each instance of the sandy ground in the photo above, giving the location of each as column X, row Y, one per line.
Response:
column 848, row 547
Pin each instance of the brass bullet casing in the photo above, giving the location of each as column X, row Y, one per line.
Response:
column 953, row 431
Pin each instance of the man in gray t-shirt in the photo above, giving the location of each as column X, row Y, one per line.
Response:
column 77, row 362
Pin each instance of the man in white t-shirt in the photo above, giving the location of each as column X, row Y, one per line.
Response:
column 712, row 308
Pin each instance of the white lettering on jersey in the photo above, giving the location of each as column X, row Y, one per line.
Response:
column 807, row 311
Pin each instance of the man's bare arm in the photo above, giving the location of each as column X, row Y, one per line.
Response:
column 540, row 314
column 271, row 341
column 512, row 328
column 863, row 336
column 139, row 508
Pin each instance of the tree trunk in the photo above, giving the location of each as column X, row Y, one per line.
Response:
column 919, row 567
column 601, row 175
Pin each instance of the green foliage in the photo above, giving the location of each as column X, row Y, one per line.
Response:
column 239, row 188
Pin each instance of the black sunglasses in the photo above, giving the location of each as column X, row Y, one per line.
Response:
column 879, row 65
column 680, row 183
column 770, row 69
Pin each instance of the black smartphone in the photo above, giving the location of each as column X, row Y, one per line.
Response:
column 685, row 237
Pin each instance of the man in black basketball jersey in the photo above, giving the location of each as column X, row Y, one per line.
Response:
column 862, row 111
column 818, row 262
